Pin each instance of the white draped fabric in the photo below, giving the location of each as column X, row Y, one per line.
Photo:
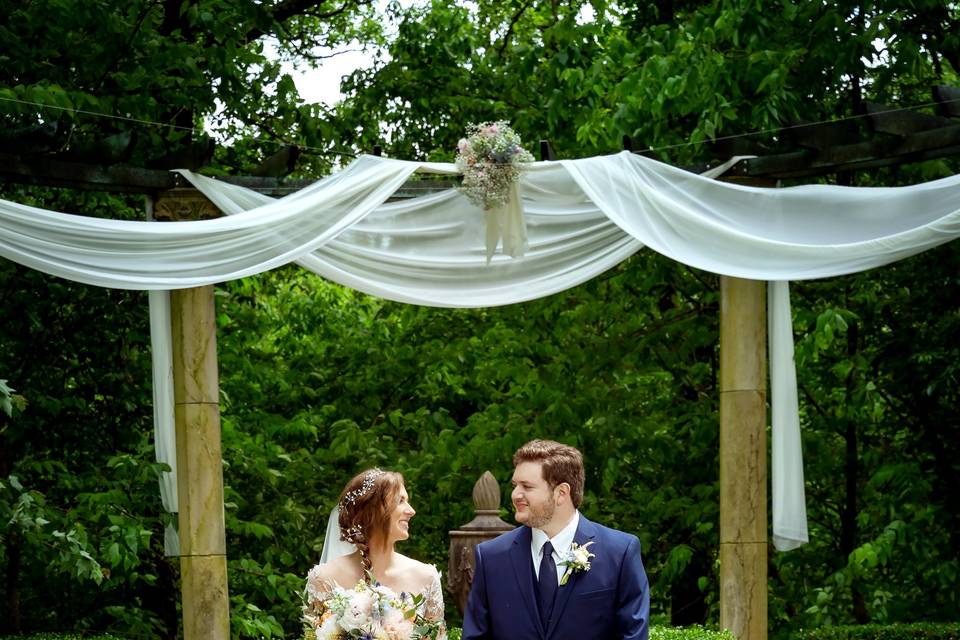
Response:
column 165, row 437
column 789, row 505
column 583, row 217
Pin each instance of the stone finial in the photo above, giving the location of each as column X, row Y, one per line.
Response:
column 486, row 494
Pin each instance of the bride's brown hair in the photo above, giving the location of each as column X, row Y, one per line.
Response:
column 365, row 507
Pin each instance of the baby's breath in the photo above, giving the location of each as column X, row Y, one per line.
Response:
column 489, row 158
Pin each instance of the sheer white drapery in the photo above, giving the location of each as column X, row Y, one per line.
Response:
column 164, row 433
column 583, row 217
column 789, row 505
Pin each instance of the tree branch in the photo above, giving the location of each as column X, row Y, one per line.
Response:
column 513, row 23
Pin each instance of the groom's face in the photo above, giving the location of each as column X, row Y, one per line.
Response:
column 532, row 497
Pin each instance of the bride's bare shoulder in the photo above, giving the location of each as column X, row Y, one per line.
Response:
column 422, row 573
column 342, row 571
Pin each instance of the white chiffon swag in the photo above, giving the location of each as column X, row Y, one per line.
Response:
column 582, row 217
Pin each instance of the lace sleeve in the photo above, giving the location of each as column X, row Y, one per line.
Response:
column 317, row 590
column 433, row 604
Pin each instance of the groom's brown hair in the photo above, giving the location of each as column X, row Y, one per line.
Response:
column 560, row 463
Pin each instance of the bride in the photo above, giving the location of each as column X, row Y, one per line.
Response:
column 374, row 589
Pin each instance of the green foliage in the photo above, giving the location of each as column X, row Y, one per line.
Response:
column 79, row 506
column 163, row 72
column 674, row 76
column 318, row 382
column 63, row 636
column 694, row 632
column 10, row 401
column 879, row 440
column 917, row 631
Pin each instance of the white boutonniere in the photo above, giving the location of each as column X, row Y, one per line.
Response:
column 575, row 560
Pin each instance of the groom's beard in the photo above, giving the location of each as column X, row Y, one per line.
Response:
column 540, row 516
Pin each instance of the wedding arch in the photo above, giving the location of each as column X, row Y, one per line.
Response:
column 582, row 217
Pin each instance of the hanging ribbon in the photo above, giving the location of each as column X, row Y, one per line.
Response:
column 507, row 223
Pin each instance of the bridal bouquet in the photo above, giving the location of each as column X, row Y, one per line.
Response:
column 489, row 158
column 368, row 612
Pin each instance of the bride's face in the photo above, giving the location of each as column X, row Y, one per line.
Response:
column 400, row 517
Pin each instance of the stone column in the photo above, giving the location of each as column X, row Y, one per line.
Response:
column 743, row 458
column 203, row 547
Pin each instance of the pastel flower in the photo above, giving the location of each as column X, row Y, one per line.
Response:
column 489, row 158
column 358, row 612
column 329, row 630
column 397, row 626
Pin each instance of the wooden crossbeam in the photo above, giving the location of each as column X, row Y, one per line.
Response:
column 823, row 135
column 925, row 145
column 900, row 122
column 948, row 100
column 49, row 172
column 827, row 148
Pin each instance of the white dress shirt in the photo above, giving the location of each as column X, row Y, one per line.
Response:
column 561, row 545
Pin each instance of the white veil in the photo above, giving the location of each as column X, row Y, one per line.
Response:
column 333, row 546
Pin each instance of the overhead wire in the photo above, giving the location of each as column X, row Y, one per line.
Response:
column 353, row 153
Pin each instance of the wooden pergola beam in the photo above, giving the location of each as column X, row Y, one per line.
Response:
column 899, row 122
column 948, row 100
column 51, row 172
column 924, row 145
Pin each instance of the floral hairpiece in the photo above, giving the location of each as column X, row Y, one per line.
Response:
column 353, row 534
column 352, row 496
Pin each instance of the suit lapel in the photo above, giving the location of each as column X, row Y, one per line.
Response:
column 586, row 531
column 522, row 561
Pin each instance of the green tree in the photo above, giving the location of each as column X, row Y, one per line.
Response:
column 187, row 66
column 672, row 75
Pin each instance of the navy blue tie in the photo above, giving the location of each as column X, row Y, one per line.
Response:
column 548, row 584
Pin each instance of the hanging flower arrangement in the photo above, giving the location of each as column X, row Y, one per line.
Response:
column 489, row 158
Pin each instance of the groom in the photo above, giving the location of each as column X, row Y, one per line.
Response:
column 533, row 584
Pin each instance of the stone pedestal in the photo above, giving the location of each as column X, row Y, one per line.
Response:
column 485, row 526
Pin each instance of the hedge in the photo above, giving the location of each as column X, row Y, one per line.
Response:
column 660, row 633
column 656, row 633
column 688, row 633
column 914, row 631
column 64, row 636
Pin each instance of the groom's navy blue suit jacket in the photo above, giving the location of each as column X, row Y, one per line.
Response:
column 611, row 600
